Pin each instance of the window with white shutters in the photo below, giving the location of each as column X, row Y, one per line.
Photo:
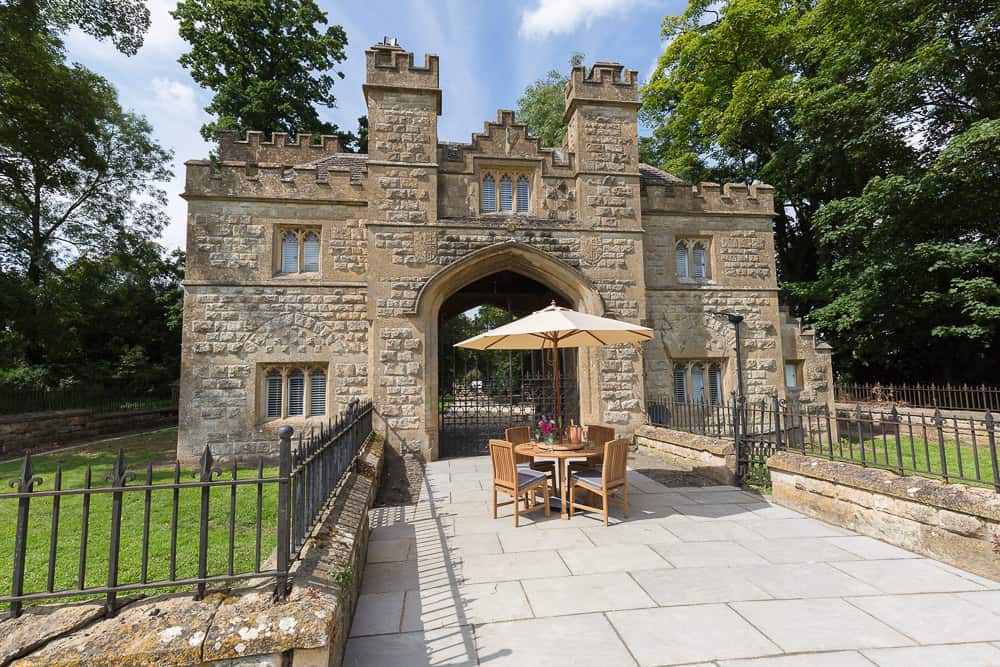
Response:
column 290, row 253
column 310, row 253
column 792, row 374
column 680, row 383
column 489, row 203
column 272, row 395
column 697, row 383
column 296, row 394
column 681, row 259
column 715, row 384
column 700, row 265
column 506, row 194
column 317, row 393
column 523, row 194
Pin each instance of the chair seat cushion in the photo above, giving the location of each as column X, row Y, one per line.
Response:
column 588, row 477
column 543, row 465
column 526, row 477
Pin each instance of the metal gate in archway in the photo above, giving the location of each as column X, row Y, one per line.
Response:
column 481, row 393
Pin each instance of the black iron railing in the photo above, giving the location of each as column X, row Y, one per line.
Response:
column 96, row 398
column 945, row 396
column 164, row 529
column 953, row 449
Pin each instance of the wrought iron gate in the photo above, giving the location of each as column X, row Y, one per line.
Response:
column 482, row 393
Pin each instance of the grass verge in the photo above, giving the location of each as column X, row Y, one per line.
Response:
column 150, row 449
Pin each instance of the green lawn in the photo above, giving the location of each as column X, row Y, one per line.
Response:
column 923, row 456
column 152, row 448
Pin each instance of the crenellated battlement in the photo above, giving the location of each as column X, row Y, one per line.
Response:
column 341, row 175
column 709, row 198
column 279, row 150
column 504, row 138
column 607, row 83
column 389, row 65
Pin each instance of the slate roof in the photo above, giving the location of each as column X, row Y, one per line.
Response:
column 650, row 175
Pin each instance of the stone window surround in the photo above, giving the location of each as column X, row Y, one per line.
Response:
column 264, row 370
column 706, row 363
column 690, row 242
column 300, row 231
column 513, row 173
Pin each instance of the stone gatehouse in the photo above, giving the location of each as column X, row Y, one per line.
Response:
column 316, row 276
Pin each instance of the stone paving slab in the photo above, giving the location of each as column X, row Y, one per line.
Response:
column 674, row 635
column 818, row 625
column 695, row 575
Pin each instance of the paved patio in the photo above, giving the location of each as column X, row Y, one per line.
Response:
column 697, row 575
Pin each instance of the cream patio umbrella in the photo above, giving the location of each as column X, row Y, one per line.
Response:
column 555, row 327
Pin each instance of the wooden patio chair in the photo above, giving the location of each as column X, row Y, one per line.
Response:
column 610, row 479
column 516, row 435
column 517, row 482
column 599, row 436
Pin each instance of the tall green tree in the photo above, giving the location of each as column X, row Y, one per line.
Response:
column 77, row 172
column 873, row 122
column 543, row 103
column 269, row 63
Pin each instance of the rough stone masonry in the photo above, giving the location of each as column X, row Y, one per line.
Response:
column 325, row 271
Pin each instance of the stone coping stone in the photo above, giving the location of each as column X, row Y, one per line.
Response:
column 41, row 624
column 717, row 446
column 956, row 497
column 230, row 625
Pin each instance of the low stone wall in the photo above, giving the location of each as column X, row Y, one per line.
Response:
column 232, row 627
column 43, row 431
column 714, row 458
column 953, row 523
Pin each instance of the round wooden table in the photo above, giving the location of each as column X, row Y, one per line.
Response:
column 563, row 456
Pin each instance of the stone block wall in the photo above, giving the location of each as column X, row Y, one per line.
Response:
column 714, row 458
column 43, row 431
column 953, row 523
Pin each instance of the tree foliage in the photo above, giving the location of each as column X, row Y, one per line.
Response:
column 543, row 103
column 269, row 63
column 875, row 122
column 79, row 184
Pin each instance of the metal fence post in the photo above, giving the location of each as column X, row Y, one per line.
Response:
column 829, row 429
column 776, row 407
column 118, row 477
column 204, row 475
column 939, row 426
column 899, row 444
column 284, row 514
column 991, row 438
column 24, row 484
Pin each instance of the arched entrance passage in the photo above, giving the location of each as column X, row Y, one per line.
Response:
column 538, row 277
column 482, row 392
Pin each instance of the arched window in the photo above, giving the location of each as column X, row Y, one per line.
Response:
column 310, row 253
column 506, row 194
column 523, row 194
column 272, row 394
column 289, row 253
column 700, row 264
column 681, row 259
column 489, row 203
column 296, row 393
column 317, row 393
column 697, row 383
column 680, row 383
column 715, row 384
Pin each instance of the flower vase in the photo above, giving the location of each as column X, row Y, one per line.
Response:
column 549, row 440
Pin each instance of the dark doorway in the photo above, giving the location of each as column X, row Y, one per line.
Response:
column 481, row 393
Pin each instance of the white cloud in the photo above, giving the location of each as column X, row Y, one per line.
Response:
column 162, row 36
column 553, row 17
column 174, row 97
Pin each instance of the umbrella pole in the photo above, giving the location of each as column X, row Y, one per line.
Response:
column 555, row 369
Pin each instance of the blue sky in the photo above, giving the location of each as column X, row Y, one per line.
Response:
column 489, row 52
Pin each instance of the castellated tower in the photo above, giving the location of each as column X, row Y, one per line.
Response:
column 602, row 131
column 403, row 104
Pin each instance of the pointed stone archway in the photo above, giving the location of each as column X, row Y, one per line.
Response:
column 526, row 261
